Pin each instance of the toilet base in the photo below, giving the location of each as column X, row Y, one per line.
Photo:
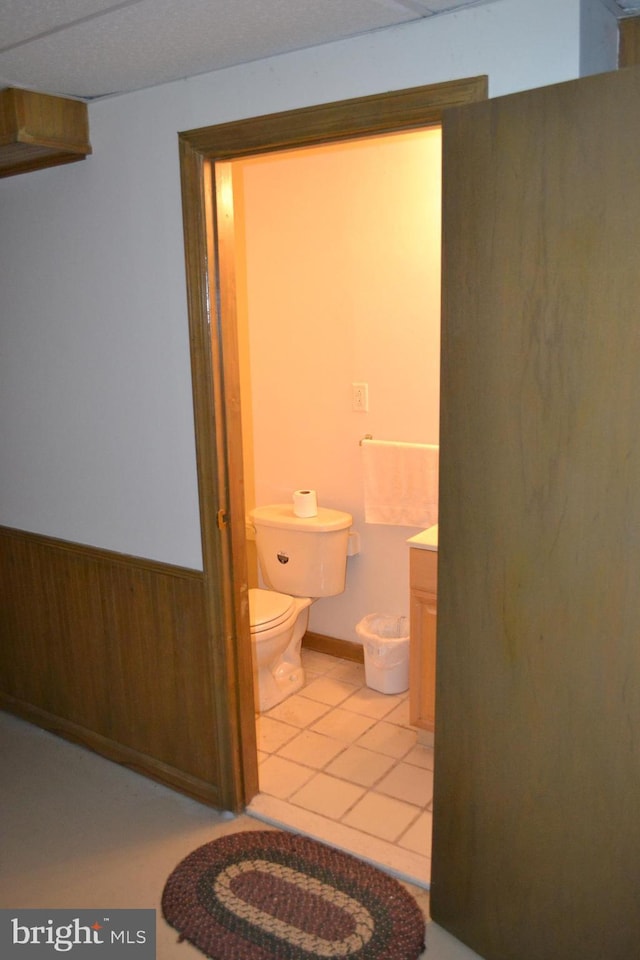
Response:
column 273, row 688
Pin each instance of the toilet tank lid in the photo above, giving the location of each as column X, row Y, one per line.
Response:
column 267, row 607
column 282, row 515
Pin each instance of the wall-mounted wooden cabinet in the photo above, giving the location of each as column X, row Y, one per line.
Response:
column 423, row 580
column 38, row 130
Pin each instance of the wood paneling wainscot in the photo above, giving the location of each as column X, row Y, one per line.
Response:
column 110, row 651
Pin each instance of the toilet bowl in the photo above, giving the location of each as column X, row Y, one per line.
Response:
column 278, row 623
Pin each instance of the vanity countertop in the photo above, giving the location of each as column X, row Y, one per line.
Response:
column 426, row 539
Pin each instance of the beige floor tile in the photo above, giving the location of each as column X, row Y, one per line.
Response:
column 348, row 737
column 326, row 690
column 312, row 749
column 317, row 662
column 420, row 756
column 381, row 816
column 425, row 738
column 360, row 766
column 370, row 703
column 418, row 836
column 400, row 714
column 327, row 795
column 280, row 778
column 343, row 725
column 406, row 782
column 389, row 739
column 298, row 711
column 272, row 734
column 348, row 672
column 408, row 866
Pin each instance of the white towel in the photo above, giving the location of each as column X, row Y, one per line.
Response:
column 400, row 483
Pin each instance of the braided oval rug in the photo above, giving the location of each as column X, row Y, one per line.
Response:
column 265, row 894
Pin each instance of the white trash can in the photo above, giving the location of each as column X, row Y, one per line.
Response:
column 386, row 652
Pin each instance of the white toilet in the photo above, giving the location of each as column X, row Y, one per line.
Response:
column 301, row 560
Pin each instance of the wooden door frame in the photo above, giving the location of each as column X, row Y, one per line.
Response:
column 205, row 156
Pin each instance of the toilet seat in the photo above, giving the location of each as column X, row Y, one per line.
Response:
column 268, row 609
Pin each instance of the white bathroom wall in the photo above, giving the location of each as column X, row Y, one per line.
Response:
column 343, row 285
column 96, row 427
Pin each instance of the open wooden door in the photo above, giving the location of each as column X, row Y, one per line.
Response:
column 536, row 851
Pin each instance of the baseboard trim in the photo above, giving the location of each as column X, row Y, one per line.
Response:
column 345, row 649
column 138, row 762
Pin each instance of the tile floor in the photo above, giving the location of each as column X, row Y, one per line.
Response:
column 341, row 762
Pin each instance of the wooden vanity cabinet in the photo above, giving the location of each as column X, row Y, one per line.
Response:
column 423, row 581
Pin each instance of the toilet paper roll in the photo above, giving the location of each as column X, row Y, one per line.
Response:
column 305, row 503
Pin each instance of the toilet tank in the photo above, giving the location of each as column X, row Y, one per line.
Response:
column 302, row 556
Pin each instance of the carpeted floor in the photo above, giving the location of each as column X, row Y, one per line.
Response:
column 78, row 831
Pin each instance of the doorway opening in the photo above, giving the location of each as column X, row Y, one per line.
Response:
column 206, row 174
column 337, row 758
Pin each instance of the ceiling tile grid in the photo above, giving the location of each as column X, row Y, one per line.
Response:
column 95, row 48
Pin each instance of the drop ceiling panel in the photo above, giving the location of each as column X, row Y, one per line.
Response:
column 21, row 20
column 94, row 48
column 132, row 46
